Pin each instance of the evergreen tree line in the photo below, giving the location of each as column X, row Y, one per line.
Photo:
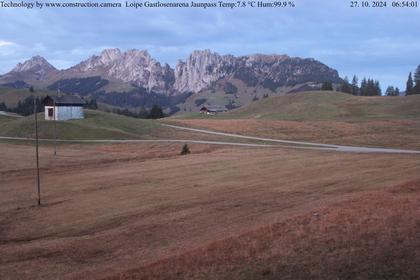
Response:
column 368, row 87
column 25, row 107
column 391, row 91
column 413, row 84
column 155, row 112
column 92, row 104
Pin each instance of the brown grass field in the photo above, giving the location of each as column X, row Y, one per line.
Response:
column 392, row 133
column 142, row 211
column 323, row 117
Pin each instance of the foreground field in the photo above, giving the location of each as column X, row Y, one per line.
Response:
column 144, row 211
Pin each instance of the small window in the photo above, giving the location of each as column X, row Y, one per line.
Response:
column 50, row 112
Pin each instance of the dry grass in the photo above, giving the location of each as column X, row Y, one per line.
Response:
column 381, row 133
column 372, row 237
column 109, row 209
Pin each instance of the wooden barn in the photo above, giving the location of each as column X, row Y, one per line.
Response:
column 62, row 108
column 212, row 110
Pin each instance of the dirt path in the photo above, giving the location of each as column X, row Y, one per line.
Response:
column 109, row 141
column 290, row 144
column 311, row 145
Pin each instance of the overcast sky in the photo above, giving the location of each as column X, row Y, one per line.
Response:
column 382, row 43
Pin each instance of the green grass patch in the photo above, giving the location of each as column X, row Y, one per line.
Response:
column 323, row 105
column 6, row 119
column 96, row 125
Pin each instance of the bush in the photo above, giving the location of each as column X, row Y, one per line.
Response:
column 185, row 150
column 230, row 88
column 156, row 112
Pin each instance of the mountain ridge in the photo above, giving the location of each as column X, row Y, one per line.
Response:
column 203, row 77
column 197, row 72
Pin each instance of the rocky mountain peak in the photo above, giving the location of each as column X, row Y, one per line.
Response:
column 133, row 66
column 201, row 68
column 266, row 58
column 36, row 63
column 109, row 55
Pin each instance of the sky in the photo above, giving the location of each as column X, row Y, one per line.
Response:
column 380, row 43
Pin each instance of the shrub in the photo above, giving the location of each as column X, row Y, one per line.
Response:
column 185, row 150
column 230, row 88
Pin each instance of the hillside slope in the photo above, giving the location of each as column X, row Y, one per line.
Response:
column 5, row 119
column 96, row 125
column 322, row 117
column 11, row 96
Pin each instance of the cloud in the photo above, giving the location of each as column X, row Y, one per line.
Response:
column 379, row 43
column 6, row 43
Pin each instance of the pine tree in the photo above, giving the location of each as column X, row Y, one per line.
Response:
column 370, row 87
column 364, row 87
column 3, row 107
column 156, row 112
column 345, row 86
column 417, row 76
column 377, row 88
column 410, row 85
column 355, row 85
column 92, row 104
column 326, row 86
column 416, row 88
column 390, row 91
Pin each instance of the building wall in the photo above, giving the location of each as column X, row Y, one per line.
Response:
column 63, row 113
column 48, row 118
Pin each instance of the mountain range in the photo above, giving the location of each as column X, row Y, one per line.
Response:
column 204, row 77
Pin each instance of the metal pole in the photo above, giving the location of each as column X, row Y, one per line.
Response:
column 55, row 132
column 36, row 150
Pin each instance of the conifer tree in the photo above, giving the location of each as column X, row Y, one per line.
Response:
column 410, row 85
column 391, row 91
column 377, row 88
column 345, row 86
column 416, row 88
column 363, row 87
column 355, row 85
column 327, row 85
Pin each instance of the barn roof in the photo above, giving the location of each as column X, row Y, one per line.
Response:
column 65, row 100
column 214, row 108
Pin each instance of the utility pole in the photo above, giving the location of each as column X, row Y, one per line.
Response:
column 55, row 132
column 36, row 147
